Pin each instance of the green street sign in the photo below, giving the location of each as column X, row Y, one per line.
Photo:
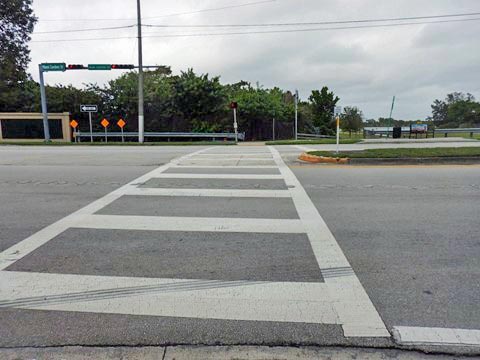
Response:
column 53, row 67
column 99, row 67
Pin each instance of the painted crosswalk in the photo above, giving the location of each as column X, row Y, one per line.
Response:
column 336, row 298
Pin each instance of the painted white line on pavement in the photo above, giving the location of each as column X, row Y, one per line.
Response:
column 208, row 192
column 357, row 314
column 226, row 166
column 163, row 175
column 409, row 335
column 216, row 299
column 26, row 246
column 265, row 155
column 227, row 158
column 167, row 223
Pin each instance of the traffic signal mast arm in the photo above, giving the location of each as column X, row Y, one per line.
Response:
column 76, row 67
column 100, row 67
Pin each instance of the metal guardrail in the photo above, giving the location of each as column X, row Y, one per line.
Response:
column 471, row 131
column 431, row 132
column 314, row 136
column 167, row 135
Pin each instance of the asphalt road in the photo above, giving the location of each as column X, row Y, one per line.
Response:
column 410, row 235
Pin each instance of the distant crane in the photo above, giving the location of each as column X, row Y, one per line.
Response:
column 390, row 120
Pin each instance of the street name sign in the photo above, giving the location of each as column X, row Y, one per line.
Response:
column 54, row 66
column 88, row 108
column 99, row 67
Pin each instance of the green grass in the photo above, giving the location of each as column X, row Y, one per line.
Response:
column 313, row 142
column 172, row 143
column 404, row 153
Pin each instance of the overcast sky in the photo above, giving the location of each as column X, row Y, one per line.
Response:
column 364, row 67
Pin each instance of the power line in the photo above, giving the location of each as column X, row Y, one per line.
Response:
column 316, row 23
column 261, row 25
column 213, row 9
column 171, row 14
column 314, row 29
column 84, row 30
column 266, row 32
column 84, row 39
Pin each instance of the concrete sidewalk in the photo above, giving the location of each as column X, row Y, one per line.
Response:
column 213, row 353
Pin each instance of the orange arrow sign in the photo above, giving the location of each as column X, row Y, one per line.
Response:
column 104, row 123
column 74, row 124
column 121, row 123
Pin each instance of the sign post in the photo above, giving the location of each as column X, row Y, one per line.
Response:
column 338, row 132
column 121, row 123
column 105, row 124
column 74, row 125
column 234, row 106
column 273, row 129
column 296, row 114
column 338, row 110
column 89, row 109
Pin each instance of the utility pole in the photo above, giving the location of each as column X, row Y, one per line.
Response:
column 296, row 114
column 46, row 128
column 140, row 76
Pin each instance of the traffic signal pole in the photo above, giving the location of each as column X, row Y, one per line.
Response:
column 46, row 128
column 140, row 77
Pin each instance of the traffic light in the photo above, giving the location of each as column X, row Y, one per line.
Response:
column 76, row 67
column 122, row 66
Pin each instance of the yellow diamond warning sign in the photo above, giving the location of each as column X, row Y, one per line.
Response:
column 121, row 123
column 74, row 124
column 105, row 123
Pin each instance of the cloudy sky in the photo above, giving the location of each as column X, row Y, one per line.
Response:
column 365, row 67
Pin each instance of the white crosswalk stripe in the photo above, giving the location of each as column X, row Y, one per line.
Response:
column 340, row 299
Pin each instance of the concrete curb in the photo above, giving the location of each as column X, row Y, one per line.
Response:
column 322, row 159
column 417, row 161
column 314, row 159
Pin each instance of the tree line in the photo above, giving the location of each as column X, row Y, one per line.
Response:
column 189, row 101
column 184, row 102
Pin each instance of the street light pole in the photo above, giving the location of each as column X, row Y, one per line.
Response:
column 140, row 76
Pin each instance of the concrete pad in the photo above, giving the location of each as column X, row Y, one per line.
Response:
column 179, row 255
column 236, row 207
column 267, row 184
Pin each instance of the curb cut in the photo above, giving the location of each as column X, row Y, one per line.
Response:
column 322, row 159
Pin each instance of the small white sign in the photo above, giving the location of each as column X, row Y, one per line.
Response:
column 88, row 108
